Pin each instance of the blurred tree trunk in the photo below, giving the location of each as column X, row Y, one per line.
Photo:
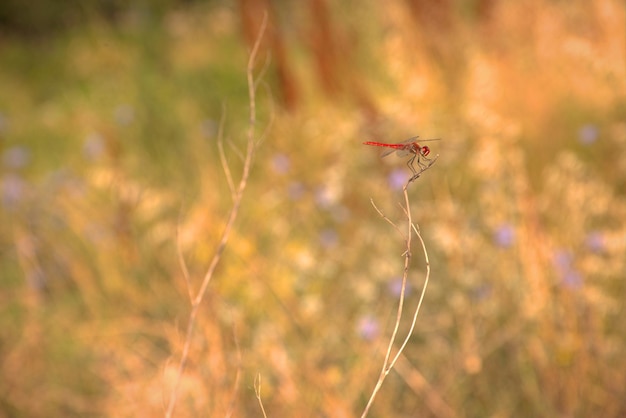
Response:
column 439, row 27
column 324, row 45
column 329, row 47
column 334, row 57
column 251, row 16
column 436, row 22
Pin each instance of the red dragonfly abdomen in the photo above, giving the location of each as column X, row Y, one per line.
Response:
column 382, row 144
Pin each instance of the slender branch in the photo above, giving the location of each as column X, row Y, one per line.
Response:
column 272, row 114
column 233, row 399
column 181, row 259
column 422, row 388
column 419, row 303
column 220, row 148
column 232, row 216
column 411, row 227
column 257, row 392
column 382, row 215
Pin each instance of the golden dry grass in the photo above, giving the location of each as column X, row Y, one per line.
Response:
column 110, row 157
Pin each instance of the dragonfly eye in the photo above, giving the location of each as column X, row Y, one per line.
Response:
column 425, row 150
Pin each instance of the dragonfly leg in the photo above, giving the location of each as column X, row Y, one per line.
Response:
column 423, row 162
column 423, row 165
column 410, row 164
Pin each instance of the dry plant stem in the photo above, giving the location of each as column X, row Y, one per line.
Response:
column 387, row 363
column 232, row 216
column 422, row 388
column 220, row 148
column 233, row 399
column 181, row 259
column 257, row 392
column 419, row 303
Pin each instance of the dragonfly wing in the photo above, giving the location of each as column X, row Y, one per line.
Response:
column 403, row 148
column 403, row 152
column 388, row 152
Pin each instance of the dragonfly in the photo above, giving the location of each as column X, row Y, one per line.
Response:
column 408, row 147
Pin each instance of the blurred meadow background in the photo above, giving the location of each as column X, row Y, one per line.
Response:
column 110, row 114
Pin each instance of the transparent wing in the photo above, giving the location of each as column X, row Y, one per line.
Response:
column 401, row 152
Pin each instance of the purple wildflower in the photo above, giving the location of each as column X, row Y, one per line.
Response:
column 397, row 178
column 281, row 163
column 13, row 188
column 595, row 242
column 563, row 259
column 295, row 190
column 588, row 134
column 329, row 238
column 368, row 328
column 482, row 292
column 572, row 279
column 504, row 236
column 564, row 262
column 395, row 287
column 94, row 146
column 15, row 157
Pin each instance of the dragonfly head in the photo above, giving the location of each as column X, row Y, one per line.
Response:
column 425, row 150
